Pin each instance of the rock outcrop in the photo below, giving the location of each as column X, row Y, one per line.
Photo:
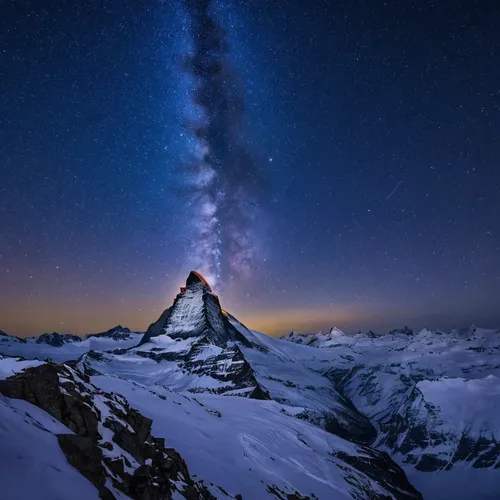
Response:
column 116, row 333
column 112, row 445
column 56, row 339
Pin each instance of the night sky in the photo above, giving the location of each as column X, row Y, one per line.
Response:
column 350, row 151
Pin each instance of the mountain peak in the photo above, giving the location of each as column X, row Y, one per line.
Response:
column 334, row 331
column 195, row 313
column 118, row 328
column 57, row 339
column 196, row 278
column 118, row 332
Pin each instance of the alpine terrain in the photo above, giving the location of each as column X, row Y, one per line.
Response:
column 201, row 407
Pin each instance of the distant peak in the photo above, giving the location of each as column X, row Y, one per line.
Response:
column 118, row 328
column 336, row 331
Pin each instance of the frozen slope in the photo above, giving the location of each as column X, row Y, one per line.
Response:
column 99, row 434
column 32, row 463
column 291, row 375
column 251, row 447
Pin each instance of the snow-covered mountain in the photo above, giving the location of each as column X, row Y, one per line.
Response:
column 6, row 338
column 195, row 346
column 60, row 412
column 320, row 339
column 65, row 347
column 116, row 333
column 434, row 398
column 114, row 432
column 306, row 416
column 55, row 339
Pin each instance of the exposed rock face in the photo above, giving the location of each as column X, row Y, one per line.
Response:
column 112, row 445
column 116, row 333
column 56, row 339
column 5, row 337
column 379, row 467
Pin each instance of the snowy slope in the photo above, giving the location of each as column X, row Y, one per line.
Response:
column 106, row 440
column 11, row 365
column 32, row 464
column 232, row 445
column 250, row 447
column 291, row 378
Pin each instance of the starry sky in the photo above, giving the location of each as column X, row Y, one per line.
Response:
column 368, row 197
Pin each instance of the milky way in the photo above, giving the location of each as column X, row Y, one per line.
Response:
column 104, row 102
column 225, row 179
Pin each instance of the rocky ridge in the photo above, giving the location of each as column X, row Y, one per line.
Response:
column 112, row 445
column 433, row 396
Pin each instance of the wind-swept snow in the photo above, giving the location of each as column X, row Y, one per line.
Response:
column 32, row 465
column 247, row 446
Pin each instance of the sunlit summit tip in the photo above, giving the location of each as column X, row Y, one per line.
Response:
column 195, row 277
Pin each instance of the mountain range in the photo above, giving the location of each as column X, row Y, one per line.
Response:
column 200, row 406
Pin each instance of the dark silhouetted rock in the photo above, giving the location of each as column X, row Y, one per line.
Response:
column 56, row 339
column 68, row 395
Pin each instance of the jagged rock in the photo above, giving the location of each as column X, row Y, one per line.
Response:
column 196, row 312
column 85, row 456
column 153, row 473
column 116, row 333
column 402, row 331
column 379, row 466
column 56, row 339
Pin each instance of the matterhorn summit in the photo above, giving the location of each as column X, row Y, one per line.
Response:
column 195, row 313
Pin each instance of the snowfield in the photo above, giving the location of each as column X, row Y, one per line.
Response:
column 245, row 445
column 32, row 463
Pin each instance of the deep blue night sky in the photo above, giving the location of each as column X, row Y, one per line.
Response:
column 375, row 126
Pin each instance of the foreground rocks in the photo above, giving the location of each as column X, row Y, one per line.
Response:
column 112, row 445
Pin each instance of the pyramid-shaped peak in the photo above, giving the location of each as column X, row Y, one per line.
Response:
column 336, row 332
column 194, row 278
column 196, row 314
